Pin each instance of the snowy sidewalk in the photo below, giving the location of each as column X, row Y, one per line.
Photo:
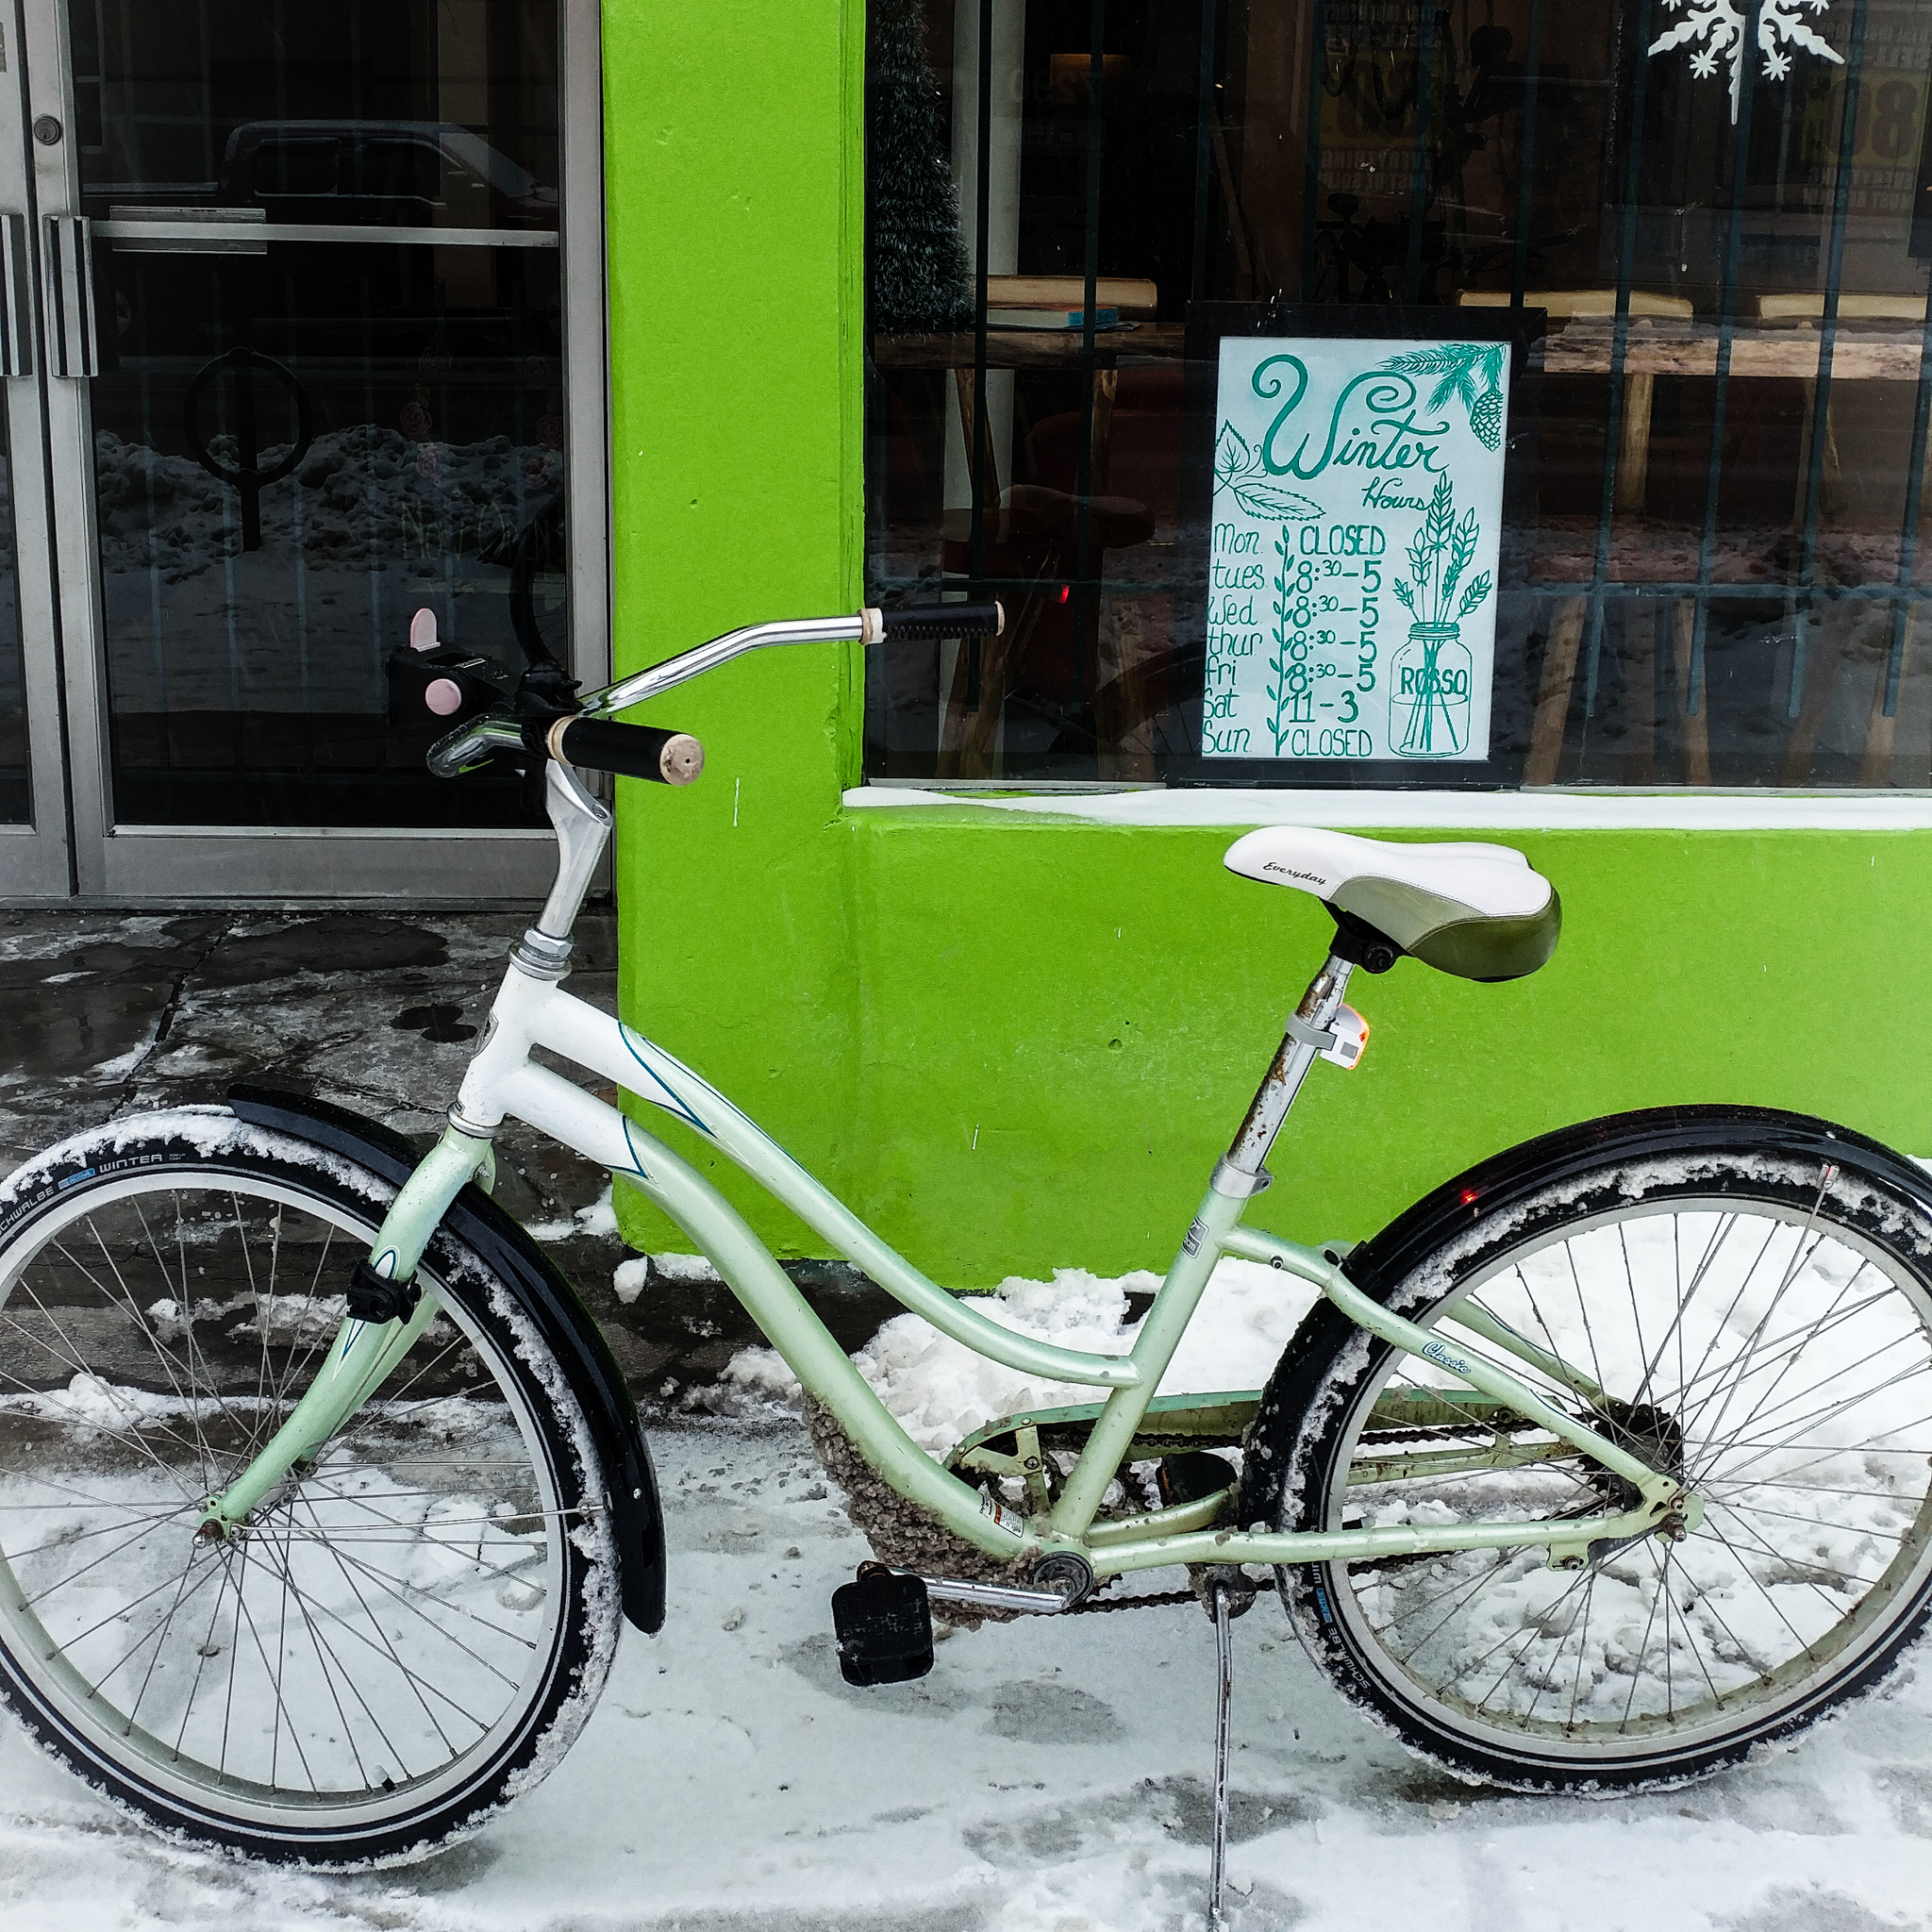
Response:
column 1045, row 1777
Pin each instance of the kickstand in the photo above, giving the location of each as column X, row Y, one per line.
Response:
column 1224, row 1695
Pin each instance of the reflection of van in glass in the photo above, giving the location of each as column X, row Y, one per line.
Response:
column 385, row 173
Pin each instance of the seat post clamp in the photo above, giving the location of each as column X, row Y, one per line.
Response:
column 1319, row 1038
column 1236, row 1183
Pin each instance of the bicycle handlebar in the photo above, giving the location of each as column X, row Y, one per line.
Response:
column 632, row 751
column 942, row 621
column 869, row 626
column 592, row 738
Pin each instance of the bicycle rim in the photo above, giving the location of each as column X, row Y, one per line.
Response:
column 388, row 1628
column 1782, row 1361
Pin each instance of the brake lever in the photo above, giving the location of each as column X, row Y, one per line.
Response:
column 472, row 744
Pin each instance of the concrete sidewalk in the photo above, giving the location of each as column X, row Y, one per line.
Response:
column 107, row 1013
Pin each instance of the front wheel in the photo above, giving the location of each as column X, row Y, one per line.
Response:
column 405, row 1634
column 1754, row 1314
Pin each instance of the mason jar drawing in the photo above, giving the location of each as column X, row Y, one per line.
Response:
column 1431, row 680
column 1429, row 693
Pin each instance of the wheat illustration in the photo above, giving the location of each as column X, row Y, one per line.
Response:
column 1443, row 549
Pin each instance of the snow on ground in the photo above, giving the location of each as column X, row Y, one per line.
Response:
column 1045, row 1777
column 941, row 1391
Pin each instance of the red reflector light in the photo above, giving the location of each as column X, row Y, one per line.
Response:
column 1468, row 1196
column 1066, row 591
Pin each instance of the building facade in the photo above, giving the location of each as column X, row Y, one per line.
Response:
column 985, row 297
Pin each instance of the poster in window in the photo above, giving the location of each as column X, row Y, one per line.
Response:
column 1353, row 560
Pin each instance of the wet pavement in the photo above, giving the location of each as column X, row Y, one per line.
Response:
column 108, row 1013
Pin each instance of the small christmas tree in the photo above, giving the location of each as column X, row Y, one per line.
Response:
column 919, row 276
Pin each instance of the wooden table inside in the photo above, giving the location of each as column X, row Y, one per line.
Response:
column 1029, row 348
column 1860, row 353
column 1675, row 348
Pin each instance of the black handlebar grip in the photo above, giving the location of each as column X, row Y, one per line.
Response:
column 632, row 751
column 943, row 620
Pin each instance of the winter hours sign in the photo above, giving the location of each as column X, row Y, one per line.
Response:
column 1358, row 500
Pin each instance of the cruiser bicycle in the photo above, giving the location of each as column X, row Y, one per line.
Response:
column 323, row 1502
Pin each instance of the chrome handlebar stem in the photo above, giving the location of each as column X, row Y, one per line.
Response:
column 583, row 830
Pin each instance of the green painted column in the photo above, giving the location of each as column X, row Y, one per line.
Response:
column 735, row 201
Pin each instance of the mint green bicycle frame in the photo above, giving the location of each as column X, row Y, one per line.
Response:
column 531, row 1009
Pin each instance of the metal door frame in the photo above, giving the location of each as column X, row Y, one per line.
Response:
column 35, row 858
column 132, row 864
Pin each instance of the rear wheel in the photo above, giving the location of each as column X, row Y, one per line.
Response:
column 405, row 1634
column 1760, row 1323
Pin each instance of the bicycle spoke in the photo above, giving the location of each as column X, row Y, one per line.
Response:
column 1686, row 1295
column 109, row 1390
column 348, row 1629
column 274, row 1674
column 388, row 1650
column 1788, row 1365
column 75, row 1576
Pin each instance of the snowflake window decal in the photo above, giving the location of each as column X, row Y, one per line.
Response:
column 1719, row 25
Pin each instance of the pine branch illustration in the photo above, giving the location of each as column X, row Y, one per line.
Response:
column 1440, row 361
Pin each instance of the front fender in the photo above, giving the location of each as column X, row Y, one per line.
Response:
column 547, row 1298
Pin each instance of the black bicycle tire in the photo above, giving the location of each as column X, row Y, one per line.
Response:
column 1304, row 1408
column 212, row 1143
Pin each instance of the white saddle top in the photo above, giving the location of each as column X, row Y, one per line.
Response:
column 1493, row 881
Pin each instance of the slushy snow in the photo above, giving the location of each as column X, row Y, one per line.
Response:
column 940, row 1392
column 1045, row 1777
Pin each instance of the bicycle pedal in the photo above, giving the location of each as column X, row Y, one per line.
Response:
column 884, row 1627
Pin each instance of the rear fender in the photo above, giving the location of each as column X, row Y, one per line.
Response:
column 1379, row 1266
column 546, row 1298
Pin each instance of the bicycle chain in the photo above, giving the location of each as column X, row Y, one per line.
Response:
column 1166, row 1599
column 1161, row 1599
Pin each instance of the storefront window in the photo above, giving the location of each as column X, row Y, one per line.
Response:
column 1691, row 234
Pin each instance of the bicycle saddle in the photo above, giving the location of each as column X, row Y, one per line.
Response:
column 1478, row 911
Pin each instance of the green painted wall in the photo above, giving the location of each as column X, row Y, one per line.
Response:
column 1015, row 1043
column 734, row 206
column 1096, row 1006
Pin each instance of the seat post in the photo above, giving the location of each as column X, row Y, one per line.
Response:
column 1239, row 1171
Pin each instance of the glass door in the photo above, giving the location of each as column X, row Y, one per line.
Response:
column 323, row 305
